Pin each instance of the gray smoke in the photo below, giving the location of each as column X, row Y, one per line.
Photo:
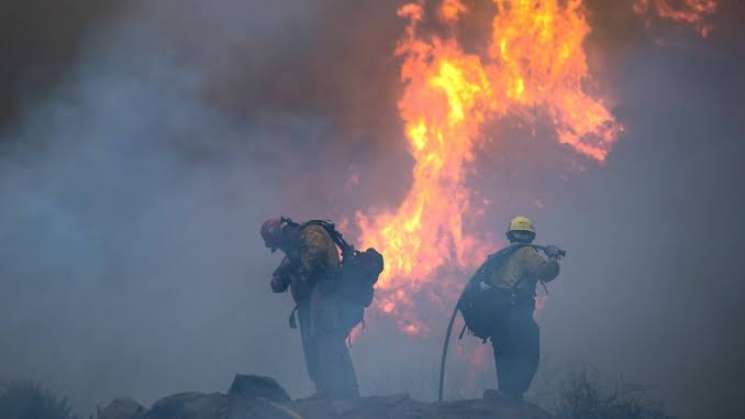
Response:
column 131, row 199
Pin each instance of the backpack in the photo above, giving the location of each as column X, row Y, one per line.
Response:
column 359, row 272
column 484, row 307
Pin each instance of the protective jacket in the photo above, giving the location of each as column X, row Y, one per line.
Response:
column 312, row 258
column 523, row 269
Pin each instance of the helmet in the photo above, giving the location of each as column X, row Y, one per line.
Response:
column 271, row 232
column 521, row 223
column 521, row 230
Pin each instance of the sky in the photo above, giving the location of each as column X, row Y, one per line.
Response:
column 142, row 144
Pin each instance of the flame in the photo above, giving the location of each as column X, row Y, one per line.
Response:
column 535, row 59
column 692, row 12
column 450, row 10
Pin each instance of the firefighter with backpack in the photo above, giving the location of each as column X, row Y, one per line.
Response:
column 330, row 293
column 498, row 302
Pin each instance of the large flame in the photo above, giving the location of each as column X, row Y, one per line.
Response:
column 535, row 59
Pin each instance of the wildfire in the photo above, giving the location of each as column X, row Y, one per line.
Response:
column 693, row 12
column 535, row 59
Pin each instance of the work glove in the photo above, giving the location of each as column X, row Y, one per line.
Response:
column 554, row 252
column 279, row 283
column 281, row 277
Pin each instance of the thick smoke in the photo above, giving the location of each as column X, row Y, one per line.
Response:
column 142, row 145
column 133, row 187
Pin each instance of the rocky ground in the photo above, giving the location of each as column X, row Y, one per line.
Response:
column 257, row 397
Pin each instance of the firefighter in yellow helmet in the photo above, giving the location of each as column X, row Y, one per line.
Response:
column 516, row 340
column 512, row 277
column 308, row 269
column 527, row 265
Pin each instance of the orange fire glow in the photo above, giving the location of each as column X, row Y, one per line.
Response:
column 693, row 12
column 450, row 10
column 535, row 59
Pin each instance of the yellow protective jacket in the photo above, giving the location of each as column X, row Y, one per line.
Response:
column 523, row 269
column 313, row 257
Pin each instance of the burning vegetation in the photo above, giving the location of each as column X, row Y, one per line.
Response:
column 535, row 59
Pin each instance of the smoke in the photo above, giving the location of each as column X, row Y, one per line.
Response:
column 132, row 188
column 143, row 144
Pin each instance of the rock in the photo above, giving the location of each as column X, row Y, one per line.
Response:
column 478, row 409
column 497, row 396
column 123, row 408
column 218, row 406
column 256, row 386
column 190, row 406
column 254, row 397
column 242, row 408
column 403, row 407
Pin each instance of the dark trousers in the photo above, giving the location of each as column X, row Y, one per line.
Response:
column 327, row 357
column 516, row 351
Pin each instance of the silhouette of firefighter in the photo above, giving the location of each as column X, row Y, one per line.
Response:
column 330, row 294
column 499, row 300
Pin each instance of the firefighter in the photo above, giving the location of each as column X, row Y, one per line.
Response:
column 516, row 339
column 311, row 262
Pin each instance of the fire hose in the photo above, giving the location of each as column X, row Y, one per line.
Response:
column 445, row 350
column 551, row 251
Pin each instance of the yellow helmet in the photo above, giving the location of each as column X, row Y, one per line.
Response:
column 521, row 223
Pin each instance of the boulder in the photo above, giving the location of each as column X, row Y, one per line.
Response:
column 255, row 397
column 403, row 407
column 256, row 386
column 123, row 408
column 365, row 407
column 482, row 408
column 242, row 408
column 190, row 406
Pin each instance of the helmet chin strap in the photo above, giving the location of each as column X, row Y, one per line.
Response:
column 520, row 237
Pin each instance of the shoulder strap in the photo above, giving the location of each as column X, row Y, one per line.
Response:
column 498, row 258
column 336, row 236
column 502, row 255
